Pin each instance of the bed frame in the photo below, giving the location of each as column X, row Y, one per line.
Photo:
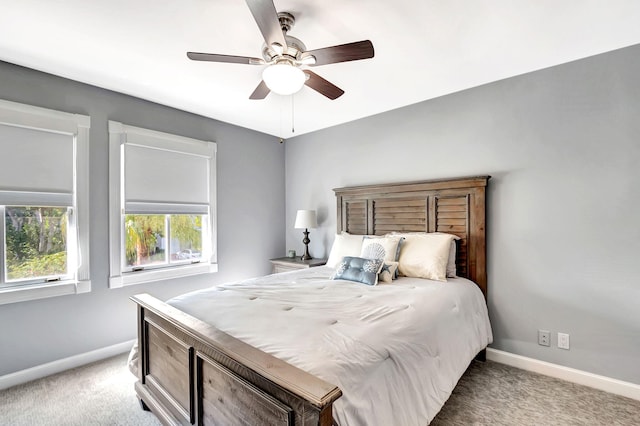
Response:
column 189, row 372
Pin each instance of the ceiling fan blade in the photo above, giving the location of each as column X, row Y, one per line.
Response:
column 341, row 53
column 261, row 91
column 322, row 86
column 212, row 57
column 264, row 12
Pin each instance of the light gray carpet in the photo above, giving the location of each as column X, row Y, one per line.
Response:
column 488, row 394
column 96, row 394
column 496, row 394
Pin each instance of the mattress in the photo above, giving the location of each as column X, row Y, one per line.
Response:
column 395, row 350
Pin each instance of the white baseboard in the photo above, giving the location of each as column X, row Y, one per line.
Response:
column 619, row 387
column 54, row 367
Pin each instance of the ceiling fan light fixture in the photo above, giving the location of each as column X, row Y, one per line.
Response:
column 283, row 78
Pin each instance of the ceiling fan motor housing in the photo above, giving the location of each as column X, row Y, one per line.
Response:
column 294, row 48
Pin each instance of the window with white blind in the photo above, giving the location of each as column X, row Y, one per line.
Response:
column 162, row 205
column 43, row 202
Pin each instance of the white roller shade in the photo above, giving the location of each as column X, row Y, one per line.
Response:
column 36, row 167
column 163, row 173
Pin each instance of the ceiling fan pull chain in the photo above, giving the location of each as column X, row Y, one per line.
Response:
column 281, row 120
column 293, row 130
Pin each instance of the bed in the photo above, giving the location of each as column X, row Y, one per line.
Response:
column 315, row 338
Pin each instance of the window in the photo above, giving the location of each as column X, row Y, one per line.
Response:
column 154, row 240
column 44, row 233
column 36, row 243
column 162, row 205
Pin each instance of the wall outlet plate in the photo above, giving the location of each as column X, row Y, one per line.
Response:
column 544, row 337
column 563, row 341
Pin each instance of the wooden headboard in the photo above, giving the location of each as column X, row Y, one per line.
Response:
column 455, row 206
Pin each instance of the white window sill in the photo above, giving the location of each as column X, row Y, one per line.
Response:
column 140, row 277
column 42, row 290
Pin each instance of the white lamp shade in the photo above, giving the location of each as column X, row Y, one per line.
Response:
column 306, row 219
column 283, row 79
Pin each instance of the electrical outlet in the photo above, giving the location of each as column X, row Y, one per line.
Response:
column 563, row 341
column 544, row 337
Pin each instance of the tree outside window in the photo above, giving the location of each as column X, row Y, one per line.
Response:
column 36, row 242
column 146, row 242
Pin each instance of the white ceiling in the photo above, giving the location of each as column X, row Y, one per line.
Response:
column 423, row 49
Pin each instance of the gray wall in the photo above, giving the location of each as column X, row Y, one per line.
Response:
column 563, row 147
column 250, row 179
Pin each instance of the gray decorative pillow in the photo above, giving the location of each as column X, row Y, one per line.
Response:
column 359, row 270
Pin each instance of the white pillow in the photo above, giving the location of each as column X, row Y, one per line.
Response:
column 451, row 261
column 344, row 245
column 385, row 248
column 425, row 255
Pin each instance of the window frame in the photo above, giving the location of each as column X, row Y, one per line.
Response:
column 77, row 126
column 119, row 136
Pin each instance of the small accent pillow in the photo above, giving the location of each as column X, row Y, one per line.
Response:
column 359, row 270
column 344, row 245
column 425, row 256
column 388, row 272
column 385, row 248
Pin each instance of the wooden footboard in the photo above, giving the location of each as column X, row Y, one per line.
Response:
column 189, row 372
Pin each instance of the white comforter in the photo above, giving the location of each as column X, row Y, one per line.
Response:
column 396, row 350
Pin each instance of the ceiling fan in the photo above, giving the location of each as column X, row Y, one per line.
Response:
column 287, row 57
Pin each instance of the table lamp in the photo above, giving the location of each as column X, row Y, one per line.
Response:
column 306, row 219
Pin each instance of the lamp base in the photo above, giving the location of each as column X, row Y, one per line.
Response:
column 306, row 241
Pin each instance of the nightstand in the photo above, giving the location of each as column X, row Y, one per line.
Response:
column 284, row 264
